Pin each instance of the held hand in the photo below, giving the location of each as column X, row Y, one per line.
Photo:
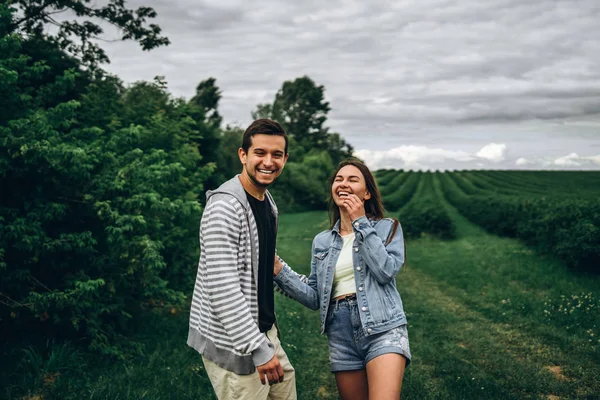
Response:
column 277, row 266
column 354, row 206
column 270, row 372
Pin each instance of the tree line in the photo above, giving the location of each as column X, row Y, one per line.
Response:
column 102, row 183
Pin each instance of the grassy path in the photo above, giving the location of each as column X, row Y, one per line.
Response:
column 487, row 320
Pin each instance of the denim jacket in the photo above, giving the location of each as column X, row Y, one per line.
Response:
column 375, row 269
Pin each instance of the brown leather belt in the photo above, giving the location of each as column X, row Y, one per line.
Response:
column 345, row 298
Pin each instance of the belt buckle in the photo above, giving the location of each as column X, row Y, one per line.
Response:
column 347, row 299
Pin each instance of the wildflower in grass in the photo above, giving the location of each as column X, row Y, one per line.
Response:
column 573, row 311
column 196, row 368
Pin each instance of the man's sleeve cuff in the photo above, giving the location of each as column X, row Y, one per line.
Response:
column 263, row 353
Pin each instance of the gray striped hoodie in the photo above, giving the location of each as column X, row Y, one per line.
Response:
column 224, row 312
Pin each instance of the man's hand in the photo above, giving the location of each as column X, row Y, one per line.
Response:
column 271, row 372
column 277, row 266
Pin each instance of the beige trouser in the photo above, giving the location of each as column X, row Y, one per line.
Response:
column 231, row 386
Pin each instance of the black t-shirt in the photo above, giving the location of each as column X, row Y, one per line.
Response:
column 267, row 228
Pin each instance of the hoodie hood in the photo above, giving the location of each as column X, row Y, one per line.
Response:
column 233, row 187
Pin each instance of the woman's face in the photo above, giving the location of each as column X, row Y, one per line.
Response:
column 349, row 181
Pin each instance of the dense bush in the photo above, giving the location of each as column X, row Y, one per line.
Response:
column 484, row 184
column 384, row 176
column 571, row 184
column 96, row 221
column 391, row 183
column 567, row 228
column 425, row 213
column 426, row 216
column 397, row 195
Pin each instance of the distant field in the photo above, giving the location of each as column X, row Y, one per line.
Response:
column 556, row 213
column 490, row 316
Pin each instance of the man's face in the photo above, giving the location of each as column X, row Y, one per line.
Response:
column 265, row 159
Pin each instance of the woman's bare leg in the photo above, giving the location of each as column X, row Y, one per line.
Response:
column 352, row 385
column 385, row 375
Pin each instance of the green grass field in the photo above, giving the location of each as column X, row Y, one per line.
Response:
column 488, row 319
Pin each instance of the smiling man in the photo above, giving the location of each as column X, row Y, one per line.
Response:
column 232, row 318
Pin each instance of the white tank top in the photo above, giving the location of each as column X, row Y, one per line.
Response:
column 343, row 279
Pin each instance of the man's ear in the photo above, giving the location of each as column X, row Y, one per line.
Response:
column 242, row 155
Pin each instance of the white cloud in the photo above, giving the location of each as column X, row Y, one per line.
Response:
column 491, row 156
column 594, row 159
column 412, row 157
column 570, row 160
column 493, row 152
column 574, row 160
column 523, row 161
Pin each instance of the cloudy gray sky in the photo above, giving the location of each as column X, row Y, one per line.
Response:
column 414, row 84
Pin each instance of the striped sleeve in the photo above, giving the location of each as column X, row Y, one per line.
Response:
column 221, row 232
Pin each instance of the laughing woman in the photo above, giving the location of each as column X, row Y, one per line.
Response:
column 352, row 282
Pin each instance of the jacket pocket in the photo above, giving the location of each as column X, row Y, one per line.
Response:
column 392, row 305
column 321, row 254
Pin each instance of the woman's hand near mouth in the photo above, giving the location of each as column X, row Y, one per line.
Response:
column 353, row 205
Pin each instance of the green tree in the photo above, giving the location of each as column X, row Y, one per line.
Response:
column 301, row 107
column 77, row 36
column 207, row 98
column 229, row 161
column 143, row 100
column 338, row 148
column 263, row 111
column 101, row 102
column 203, row 108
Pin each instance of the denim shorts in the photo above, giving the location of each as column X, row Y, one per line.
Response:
column 349, row 348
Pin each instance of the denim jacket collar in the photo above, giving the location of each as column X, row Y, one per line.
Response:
column 336, row 227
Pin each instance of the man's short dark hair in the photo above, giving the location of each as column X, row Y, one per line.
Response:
column 263, row 126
